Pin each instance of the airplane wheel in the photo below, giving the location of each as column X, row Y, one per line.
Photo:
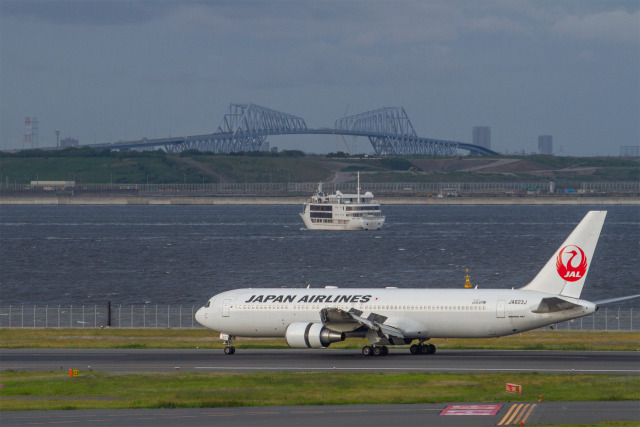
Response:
column 432, row 349
column 385, row 350
column 229, row 350
column 367, row 350
column 414, row 349
column 424, row 349
column 377, row 351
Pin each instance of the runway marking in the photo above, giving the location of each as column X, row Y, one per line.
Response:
column 471, row 410
column 567, row 371
column 518, row 413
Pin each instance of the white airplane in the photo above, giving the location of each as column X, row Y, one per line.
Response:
column 315, row 318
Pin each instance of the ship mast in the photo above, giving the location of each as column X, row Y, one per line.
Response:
column 358, row 187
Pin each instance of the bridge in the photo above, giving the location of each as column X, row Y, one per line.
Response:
column 245, row 127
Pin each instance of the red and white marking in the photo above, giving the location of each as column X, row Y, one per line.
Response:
column 471, row 410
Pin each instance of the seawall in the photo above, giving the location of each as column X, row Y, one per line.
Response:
column 242, row 200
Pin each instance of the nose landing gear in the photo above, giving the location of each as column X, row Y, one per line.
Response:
column 229, row 349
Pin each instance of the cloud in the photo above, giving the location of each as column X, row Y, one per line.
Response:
column 617, row 26
column 87, row 12
column 500, row 24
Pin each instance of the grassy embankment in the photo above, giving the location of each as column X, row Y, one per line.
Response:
column 92, row 390
column 203, row 338
column 103, row 167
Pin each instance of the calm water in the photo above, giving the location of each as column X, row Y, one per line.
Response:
column 184, row 254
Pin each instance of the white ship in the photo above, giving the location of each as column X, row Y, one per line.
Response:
column 342, row 211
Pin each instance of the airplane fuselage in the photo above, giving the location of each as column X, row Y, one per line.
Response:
column 420, row 313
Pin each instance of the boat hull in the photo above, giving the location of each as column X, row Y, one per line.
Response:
column 352, row 224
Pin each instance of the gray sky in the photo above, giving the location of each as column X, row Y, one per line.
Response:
column 104, row 71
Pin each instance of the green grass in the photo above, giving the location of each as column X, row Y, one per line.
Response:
column 156, row 170
column 204, row 338
column 85, row 166
column 266, row 169
column 99, row 390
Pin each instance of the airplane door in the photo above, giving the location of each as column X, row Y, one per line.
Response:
column 500, row 308
column 226, row 304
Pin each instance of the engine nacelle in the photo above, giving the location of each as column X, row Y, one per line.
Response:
column 311, row 335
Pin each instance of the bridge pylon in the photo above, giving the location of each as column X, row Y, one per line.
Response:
column 244, row 127
column 391, row 133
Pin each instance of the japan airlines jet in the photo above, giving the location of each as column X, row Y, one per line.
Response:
column 315, row 318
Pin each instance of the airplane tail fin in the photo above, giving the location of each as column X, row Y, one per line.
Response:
column 565, row 272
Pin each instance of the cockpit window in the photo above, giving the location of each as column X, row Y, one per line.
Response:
column 208, row 304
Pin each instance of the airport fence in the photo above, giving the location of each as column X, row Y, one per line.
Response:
column 96, row 316
column 71, row 188
column 182, row 316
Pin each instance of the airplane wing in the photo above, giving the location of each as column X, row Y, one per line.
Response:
column 345, row 321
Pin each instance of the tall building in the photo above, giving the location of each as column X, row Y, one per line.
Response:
column 545, row 144
column 482, row 136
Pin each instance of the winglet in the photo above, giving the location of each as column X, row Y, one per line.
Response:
column 565, row 272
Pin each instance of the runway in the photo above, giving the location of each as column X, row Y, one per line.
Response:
column 442, row 414
column 252, row 360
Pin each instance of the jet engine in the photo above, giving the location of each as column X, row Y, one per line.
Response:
column 311, row 335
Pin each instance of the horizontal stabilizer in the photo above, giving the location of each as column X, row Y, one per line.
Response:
column 607, row 301
column 554, row 304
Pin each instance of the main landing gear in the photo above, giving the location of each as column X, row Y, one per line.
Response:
column 370, row 350
column 382, row 350
column 422, row 349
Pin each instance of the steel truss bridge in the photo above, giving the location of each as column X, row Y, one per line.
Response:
column 245, row 127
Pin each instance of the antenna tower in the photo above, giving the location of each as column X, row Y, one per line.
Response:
column 34, row 132
column 30, row 133
column 27, row 133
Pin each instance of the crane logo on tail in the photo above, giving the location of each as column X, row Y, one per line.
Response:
column 571, row 263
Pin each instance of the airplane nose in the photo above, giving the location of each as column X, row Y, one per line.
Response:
column 201, row 316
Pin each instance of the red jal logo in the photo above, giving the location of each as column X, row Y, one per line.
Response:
column 568, row 270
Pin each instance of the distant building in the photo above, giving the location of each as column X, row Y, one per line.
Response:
column 545, row 144
column 630, row 151
column 482, row 136
column 69, row 142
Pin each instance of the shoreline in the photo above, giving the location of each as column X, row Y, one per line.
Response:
column 256, row 200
